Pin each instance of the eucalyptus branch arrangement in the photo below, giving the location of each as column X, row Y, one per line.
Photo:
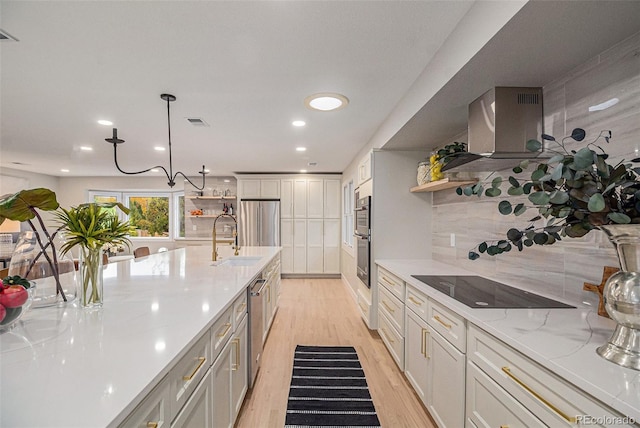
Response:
column 574, row 192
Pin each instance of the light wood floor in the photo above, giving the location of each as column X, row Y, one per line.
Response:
column 321, row 312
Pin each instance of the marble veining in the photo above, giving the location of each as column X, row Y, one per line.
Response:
column 561, row 340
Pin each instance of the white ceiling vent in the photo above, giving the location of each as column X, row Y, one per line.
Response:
column 4, row 36
column 197, row 121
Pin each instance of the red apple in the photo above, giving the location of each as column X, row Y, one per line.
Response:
column 13, row 296
column 3, row 313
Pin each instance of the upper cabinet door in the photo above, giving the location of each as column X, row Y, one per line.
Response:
column 332, row 194
column 249, row 188
column 364, row 169
column 270, row 189
column 315, row 198
column 286, row 199
column 300, row 198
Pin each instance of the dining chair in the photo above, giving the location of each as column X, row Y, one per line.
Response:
column 141, row 252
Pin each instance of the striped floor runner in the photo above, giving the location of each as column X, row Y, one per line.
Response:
column 328, row 389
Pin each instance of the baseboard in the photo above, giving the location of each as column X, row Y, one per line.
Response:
column 346, row 282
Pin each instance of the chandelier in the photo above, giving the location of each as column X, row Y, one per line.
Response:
column 170, row 175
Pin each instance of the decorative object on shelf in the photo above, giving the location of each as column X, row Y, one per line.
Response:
column 608, row 271
column 170, row 175
column 424, row 175
column 90, row 227
column 36, row 256
column 15, row 300
column 438, row 160
column 622, row 297
column 574, row 192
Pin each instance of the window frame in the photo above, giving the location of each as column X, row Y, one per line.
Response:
column 151, row 194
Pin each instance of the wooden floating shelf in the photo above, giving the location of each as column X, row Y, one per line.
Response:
column 206, row 216
column 211, row 197
column 445, row 183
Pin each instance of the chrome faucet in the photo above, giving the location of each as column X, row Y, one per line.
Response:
column 235, row 246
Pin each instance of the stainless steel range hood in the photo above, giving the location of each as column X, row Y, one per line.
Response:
column 501, row 121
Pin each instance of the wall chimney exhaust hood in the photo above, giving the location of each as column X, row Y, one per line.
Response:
column 501, row 121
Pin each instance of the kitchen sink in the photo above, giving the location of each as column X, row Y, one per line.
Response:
column 237, row 261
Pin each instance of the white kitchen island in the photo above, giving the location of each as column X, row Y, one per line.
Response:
column 67, row 367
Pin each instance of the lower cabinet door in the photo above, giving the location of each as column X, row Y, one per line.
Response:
column 446, row 382
column 221, row 372
column 490, row 406
column 415, row 352
column 239, row 368
column 197, row 412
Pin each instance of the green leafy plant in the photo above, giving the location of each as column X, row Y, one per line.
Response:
column 574, row 192
column 23, row 206
column 447, row 153
column 90, row 227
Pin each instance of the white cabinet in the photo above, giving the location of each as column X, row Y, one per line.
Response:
column 155, row 409
column 286, row 198
column 259, row 188
column 188, row 372
column 331, row 245
column 300, row 246
column 434, row 366
column 315, row 246
column 221, row 371
column 391, row 322
column 315, row 198
column 332, row 201
column 286, row 242
column 198, row 411
column 300, row 198
column 364, row 169
column 239, row 369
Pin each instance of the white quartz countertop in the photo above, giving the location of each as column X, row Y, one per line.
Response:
column 68, row 367
column 562, row 340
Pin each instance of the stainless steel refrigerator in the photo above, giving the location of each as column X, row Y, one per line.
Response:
column 260, row 222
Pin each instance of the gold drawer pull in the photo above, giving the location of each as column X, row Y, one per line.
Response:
column 202, row 360
column 241, row 308
column 538, row 396
column 363, row 306
column 504, row 426
column 152, row 425
column 268, row 294
column 388, row 281
column 236, row 342
column 437, row 318
column 388, row 336
column 224, row 333
column 415, row 301
column 390, row 309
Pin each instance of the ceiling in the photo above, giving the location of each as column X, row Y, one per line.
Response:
column 242, row 67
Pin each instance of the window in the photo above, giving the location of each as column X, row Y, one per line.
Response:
column 155, row 215
column 347, row 214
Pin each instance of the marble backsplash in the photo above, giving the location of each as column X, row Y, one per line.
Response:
column 574, row 100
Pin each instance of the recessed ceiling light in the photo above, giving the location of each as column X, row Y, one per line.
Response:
column 303, row 170
column 159, row 149
column 312, row 163
column 155, row 170
column 326, row 101
column 64, row 170
column 227, row 180
column 298, row 123
column 301, row 149
column 86, row 148
column 105, row 122
column 206, row 171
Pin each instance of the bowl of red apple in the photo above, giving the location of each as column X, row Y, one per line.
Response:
column 16, row 295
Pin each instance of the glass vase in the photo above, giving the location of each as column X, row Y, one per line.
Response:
column 90, row 284
column 622, row 297
column 54, row 275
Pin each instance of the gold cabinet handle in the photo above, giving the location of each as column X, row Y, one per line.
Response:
column 437, row 318
column 224, row 333
column 202, row 360
column 363, row 306
column 425, row 332
column 388, row 336
column 415, row 301
column 504, row 426
column 241, row 308
column 268, row 294
column 530, row 390
column 152, row 425
column 390, row 309
column 236, row 343
column 388, row 281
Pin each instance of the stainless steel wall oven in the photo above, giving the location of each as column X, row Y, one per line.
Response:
column 362, row 218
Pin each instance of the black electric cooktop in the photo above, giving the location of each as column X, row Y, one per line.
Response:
column 478, row 292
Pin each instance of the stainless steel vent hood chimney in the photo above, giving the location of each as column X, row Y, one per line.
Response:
column 501, row 121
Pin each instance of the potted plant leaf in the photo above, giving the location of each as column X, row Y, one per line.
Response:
column 90, row 227
column 23, row 206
